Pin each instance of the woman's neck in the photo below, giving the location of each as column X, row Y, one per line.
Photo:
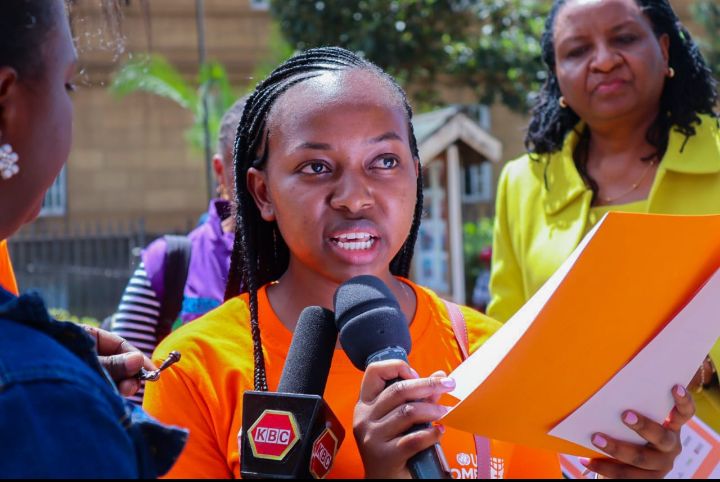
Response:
column 621, row 139
column 617, row 159
column 299, row 288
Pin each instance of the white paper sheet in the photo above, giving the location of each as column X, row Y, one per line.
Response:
column 699, row 459
column 672, row 357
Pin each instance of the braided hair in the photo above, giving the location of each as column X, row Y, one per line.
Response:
column 691, row 92
column 260, row 255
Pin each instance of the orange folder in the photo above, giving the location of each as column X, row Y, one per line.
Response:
column 630, row 277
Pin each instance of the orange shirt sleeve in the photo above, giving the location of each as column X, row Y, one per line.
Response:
column 175, row 400
column 7, row 276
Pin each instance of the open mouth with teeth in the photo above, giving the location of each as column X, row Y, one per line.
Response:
column 354, row 241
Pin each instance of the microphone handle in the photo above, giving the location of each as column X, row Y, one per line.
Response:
column 429, row 463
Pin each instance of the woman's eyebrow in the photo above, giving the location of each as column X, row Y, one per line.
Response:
column 319, row 146
column 390, row 135
column 622, row 25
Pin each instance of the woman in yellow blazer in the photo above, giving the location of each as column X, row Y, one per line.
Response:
column 624, row 122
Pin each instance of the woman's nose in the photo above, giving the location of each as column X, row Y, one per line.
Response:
column 352, row 194
column 605, row 58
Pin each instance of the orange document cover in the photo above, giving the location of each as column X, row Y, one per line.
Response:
column 629, row 278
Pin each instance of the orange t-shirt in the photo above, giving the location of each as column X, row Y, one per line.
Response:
column 7, row 276
column 203, row 392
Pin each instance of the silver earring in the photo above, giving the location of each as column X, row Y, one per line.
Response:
column 8, row 162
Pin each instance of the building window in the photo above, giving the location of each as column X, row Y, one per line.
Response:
column 477, row 183
column 260, row 4
column 55, row 201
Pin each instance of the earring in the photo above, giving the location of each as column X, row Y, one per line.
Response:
column 222, row 192
column 562, row 102
column 8, row 162
column 671, row 72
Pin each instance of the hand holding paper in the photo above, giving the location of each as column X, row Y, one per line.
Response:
column 624, row 319
column 654, row 457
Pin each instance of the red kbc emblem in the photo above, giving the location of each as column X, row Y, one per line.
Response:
column 273, row 434
column 323, row 454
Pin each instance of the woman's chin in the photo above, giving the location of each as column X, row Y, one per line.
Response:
column 34, row 212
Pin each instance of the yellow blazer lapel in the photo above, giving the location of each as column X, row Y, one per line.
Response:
column 689, row 169
column 566, row 204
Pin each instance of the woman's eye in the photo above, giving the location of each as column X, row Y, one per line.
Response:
column 576, row 52
column 315, row 168
column 386, row 162
column 626, row 39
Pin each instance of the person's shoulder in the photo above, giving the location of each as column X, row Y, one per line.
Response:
column 153, row 258
column 709, row 126
column 479, row 326
column 223, row 328
column 28, row 355
column 43, row 412
column 526, row 170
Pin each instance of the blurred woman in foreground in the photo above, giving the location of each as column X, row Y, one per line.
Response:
column 60, row 414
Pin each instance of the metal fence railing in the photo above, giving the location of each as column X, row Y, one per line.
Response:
column 82, row 269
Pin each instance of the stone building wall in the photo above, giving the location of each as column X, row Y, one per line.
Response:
column 130, row 159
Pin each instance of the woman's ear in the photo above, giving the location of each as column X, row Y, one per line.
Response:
column 258, row 187
column 8, row 79
column 664, row 41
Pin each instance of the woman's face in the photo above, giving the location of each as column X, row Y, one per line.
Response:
column 609, row 63
column 36, row 120
column 340, row 179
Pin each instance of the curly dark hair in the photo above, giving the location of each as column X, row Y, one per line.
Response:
column 260, row 255
column 691, row 92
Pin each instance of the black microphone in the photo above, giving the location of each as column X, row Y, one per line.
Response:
column 292, row 433
column 373, row 328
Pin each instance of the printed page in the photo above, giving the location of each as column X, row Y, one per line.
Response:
column 645, row 382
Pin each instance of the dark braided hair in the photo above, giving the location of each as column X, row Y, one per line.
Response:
column 24, row 25
column 691, row 92
column 260, row 254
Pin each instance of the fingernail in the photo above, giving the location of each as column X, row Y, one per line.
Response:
column 584, row 461
column 680, row 390
column 599, row 441
column 441, row 428
column 630, row 418
column 414, row 373
column 586, row 472
column 447, row 382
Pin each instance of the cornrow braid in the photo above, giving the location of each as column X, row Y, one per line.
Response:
column 691, row 92
column 260, row 255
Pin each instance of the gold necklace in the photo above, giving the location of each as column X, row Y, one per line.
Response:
column 635, row 185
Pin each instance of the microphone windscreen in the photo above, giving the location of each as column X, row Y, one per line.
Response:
column 308, row 362
column 369, row 319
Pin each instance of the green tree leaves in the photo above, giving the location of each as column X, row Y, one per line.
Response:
column 155, row 75
column 492, row 46
column 707, row 14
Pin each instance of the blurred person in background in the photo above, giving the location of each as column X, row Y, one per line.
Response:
column 180, row 278
column 60, row 412
column 625, row 122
